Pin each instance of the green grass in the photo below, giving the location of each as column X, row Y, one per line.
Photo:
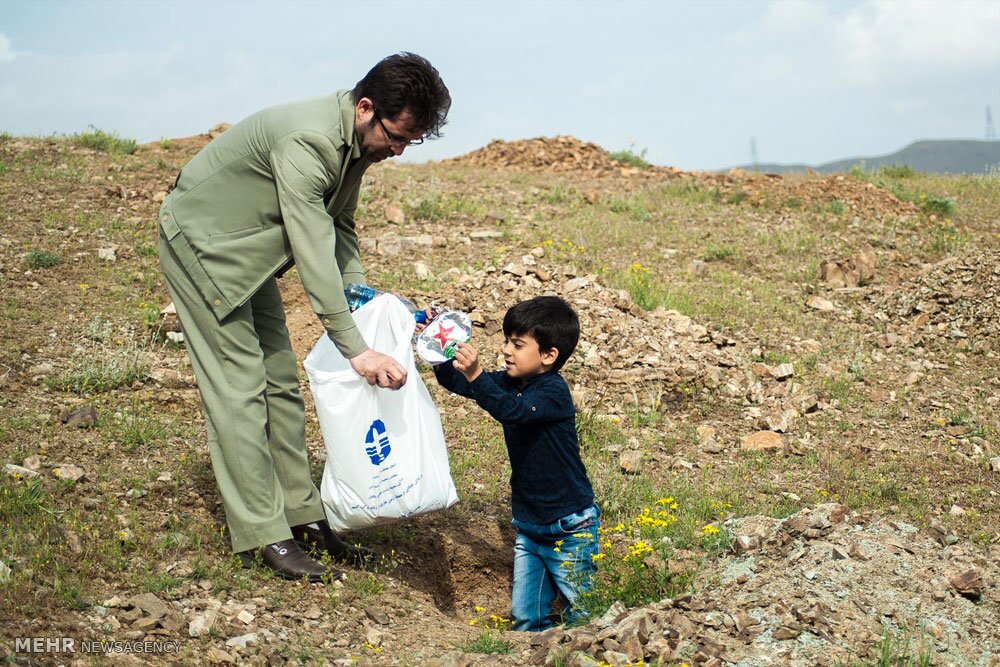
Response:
column 139, row 426
column 440, row 206
column 836, row 207
column 937, row 205
column 108, row 142
column 718, row 253
column 110, row 359
column 41, row 259
column 947, row 239
column 641, row 284
column 489, row 642
column 629, row 157
column 897, row 651
column 633, row 208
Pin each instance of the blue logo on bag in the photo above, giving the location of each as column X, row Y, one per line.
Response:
column 377, row 442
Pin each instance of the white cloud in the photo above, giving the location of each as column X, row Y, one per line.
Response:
column 876, row 44
column 6, row 54
column 917, row 39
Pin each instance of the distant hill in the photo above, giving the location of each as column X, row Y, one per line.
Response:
column 943, row 156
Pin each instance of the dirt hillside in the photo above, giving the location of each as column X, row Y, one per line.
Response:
column 805, row 366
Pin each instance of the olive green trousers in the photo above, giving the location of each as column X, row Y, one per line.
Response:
column 254, row 412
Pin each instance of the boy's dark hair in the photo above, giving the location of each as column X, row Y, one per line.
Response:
column 549, row 320
column 406, row 81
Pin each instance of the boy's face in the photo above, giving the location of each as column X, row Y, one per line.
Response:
column 523, row 359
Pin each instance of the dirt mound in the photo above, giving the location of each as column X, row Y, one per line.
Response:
column 956, row 300
column 557, row 154
column 821, row 587
column 626, row 356
column 835, row 194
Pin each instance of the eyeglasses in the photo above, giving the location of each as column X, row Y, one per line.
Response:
column 395, row 138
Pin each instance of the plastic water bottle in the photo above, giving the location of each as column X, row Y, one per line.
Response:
column 358, row 295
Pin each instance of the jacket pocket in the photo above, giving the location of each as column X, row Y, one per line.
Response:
column 215, row 239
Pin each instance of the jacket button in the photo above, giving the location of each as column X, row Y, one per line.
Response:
column 532, row 408
column 218, row 302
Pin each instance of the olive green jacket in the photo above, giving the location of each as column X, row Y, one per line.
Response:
column 277, row 188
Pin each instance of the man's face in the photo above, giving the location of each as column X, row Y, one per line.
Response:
column 382, row 138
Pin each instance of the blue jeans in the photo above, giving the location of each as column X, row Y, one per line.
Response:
column 551, row 558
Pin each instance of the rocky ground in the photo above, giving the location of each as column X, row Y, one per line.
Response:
column 814, row 350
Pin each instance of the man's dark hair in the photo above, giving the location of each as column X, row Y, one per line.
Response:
column 405, row 81
column 549, row 320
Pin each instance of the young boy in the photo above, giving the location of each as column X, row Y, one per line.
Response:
column 551, row 497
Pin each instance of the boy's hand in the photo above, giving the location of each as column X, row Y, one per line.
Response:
column 467, row 361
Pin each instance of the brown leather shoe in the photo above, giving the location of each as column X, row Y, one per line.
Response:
column 288, row 561
column 323, row 538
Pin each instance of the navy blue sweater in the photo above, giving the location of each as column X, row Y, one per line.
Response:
column 548, row 479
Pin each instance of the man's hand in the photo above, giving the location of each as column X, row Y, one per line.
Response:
column 379, row 369
column 467, row 361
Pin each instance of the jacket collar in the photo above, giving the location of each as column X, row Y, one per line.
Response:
column 346, row 102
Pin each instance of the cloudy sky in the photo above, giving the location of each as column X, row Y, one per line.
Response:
column 691, row 82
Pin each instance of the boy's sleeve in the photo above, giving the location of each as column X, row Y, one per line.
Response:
column 452, row 380
column 547, row 400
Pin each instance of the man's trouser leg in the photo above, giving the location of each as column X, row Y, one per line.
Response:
column 255, row 429
column 286, row 415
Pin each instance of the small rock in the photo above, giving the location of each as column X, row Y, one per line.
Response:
column 245, row 616
column 515, row 269
column 839, row 554
column 394, row 214
column 107, row 254
column 486, row 234
column 42, row 370
column 202, row 623
column 5, row 573
column 968, row 584
column 762, row 441
column 19, row 471
column 217, row 655
column 85, row 417
column 783, row 371
column 707, row 441
column 855, row 551
column 995, row 464
column 377, row 615
column 820, row 304
column 69, row 471
column 243, row 641
column 630, row 461
column 785, row 633
column 956, row 510
column 422, row 271
column 33, row 462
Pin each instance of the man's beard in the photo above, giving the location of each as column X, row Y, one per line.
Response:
column 365, row 150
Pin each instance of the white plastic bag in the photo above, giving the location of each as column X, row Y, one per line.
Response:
column 386, row 455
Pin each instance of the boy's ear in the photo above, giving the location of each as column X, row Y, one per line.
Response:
column 549, row 356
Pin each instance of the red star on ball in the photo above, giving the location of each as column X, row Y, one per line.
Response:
column 442, row 334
